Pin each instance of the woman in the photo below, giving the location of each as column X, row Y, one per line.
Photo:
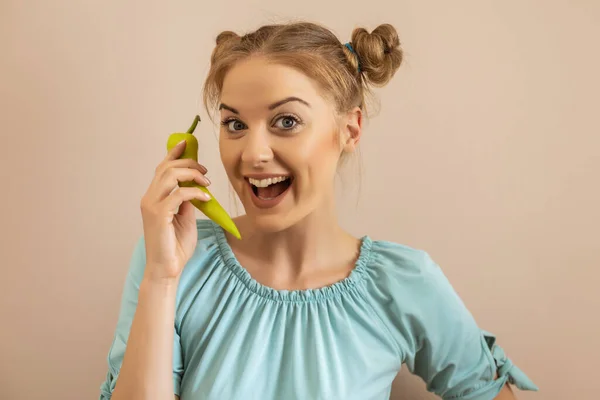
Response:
column 297, row 309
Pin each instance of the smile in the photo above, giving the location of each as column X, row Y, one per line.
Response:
column 267, row 192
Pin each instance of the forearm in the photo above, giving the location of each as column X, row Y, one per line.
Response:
column 147, row 368
column 506, row 393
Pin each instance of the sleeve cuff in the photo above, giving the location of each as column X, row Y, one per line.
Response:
column 177, row 384
column 507, row 372
column 506, row 369
column 108, row 386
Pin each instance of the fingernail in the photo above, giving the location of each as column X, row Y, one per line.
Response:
column 207, row 180
column 183, row 141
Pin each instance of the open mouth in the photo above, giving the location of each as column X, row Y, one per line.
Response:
column 270, row 188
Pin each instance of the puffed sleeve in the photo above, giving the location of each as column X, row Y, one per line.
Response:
column 434, row 333
column 128, row 306
column 447, row 349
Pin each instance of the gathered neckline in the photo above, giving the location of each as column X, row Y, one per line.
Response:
column 357, row 274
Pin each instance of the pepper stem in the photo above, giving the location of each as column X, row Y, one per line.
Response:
column 193, row 127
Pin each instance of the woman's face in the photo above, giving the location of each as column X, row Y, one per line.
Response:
column 280, row 142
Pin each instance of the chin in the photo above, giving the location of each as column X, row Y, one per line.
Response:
column 273, row 222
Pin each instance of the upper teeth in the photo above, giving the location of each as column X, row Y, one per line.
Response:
column 268, row 181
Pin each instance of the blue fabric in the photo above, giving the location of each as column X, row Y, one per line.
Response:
column 349, row 46
column 238, row 339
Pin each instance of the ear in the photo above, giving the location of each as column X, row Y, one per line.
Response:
column 351, row 130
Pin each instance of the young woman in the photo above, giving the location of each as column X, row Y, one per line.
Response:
column 299, row 308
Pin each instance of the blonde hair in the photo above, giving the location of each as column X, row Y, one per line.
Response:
column 345, row 76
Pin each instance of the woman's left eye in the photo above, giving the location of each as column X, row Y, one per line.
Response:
column 286, row 122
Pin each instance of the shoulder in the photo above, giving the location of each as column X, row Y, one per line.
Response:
column 413, row 277
column 201, row 272
column 394, row 255
column 401, row 266
column 208, row 251
column 412, row 293
column 207, row 233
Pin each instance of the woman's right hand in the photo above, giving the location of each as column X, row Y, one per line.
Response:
column 169, row 221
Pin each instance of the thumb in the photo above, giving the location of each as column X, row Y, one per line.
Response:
column 186, row 211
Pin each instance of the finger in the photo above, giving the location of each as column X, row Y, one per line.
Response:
column 179, row 195
column 175, row 176
column 176, row 151
column 187, row 163
column 186, row 210
column 171, row 156
column 180, row 163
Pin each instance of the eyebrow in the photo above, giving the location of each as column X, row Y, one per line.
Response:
column 273, row 106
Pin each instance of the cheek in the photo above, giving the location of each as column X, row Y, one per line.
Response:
column 325, row 150
column 317, row 141
column 228, row 156
column 317, row 156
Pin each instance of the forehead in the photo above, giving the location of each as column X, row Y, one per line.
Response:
column 257, row 82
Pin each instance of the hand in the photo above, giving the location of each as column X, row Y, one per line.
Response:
column 168, row 216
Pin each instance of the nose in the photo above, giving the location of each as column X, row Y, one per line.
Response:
column 257, row 148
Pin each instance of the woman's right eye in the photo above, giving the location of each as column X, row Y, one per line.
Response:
column 234, row 125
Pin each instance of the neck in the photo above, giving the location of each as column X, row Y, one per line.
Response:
column 314, row 244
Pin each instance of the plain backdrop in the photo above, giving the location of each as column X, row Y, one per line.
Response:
column 485, row 153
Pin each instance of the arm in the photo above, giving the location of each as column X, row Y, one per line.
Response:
column 145, row 359
column 506, row 393
column 146, row 372
column 447, row 349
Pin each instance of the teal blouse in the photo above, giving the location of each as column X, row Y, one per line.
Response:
column 238, row 339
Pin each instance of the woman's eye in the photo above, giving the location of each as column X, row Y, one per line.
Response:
column 286, row 123
column 234, row 125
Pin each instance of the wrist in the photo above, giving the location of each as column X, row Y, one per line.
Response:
column 156, row 294
column 160, row 283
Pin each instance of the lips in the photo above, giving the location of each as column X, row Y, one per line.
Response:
column 268, row 191
column 270, row 188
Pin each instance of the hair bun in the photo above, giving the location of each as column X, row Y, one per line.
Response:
column 379, row 53
column 227, row 36
column 225, row 40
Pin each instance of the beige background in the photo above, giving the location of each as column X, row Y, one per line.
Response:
column 485, row 153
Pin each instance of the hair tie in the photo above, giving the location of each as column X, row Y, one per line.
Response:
column 349, row 46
